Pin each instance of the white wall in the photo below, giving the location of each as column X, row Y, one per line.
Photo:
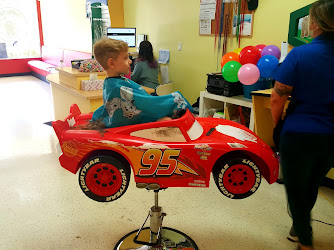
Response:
column 65, row 24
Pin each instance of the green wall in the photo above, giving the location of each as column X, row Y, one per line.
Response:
column 168, row 22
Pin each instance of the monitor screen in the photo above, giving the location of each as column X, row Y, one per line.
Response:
column 127, row 35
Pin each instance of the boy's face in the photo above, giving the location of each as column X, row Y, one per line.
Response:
column 122, row 63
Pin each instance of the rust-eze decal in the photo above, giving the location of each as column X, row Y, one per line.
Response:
column 155, row 162
column 69, row 149
column 203, row 157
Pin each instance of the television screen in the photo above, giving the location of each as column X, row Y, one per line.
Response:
column 127, row 35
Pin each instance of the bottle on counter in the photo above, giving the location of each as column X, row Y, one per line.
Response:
column 61, row 64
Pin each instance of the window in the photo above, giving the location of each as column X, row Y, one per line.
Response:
column 19, row 29
column 195, row 131
column 163, row 134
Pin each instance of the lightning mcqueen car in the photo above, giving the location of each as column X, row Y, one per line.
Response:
column 177, row 153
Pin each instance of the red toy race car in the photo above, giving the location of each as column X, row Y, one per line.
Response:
column 177, row 153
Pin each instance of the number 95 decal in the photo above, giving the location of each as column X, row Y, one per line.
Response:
column 156, row 162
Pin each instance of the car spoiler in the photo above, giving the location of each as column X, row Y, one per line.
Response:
column 69, row 121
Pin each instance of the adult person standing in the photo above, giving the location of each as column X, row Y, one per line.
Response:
column 146, row 69
column 307, row 136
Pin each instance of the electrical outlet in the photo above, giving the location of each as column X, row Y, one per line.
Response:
column 179, row 47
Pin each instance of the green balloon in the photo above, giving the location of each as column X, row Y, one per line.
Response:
column 230, row 71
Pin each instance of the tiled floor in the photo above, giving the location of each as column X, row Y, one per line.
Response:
column 42, row 206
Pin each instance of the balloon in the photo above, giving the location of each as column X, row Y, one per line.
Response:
column 260, row 47
column 272, row 50
column 237, row 50
column 230, row 71
column 249, row 54
column 249, row 74
column 230, row 56
column 267, row 65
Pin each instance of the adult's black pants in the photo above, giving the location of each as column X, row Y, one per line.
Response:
column 306, row 158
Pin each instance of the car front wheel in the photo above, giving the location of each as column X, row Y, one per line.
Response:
column 104, row 178
column 238, row 178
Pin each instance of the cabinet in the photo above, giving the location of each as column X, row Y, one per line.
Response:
column 208, row 101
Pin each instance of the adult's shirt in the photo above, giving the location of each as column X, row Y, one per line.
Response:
column 127, row 103
column 309, row 70
column 144, row 75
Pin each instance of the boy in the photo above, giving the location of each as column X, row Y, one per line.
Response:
column 126, row 102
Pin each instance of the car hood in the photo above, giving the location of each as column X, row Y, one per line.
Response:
column 221, row 130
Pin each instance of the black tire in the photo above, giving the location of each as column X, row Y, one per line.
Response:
column 238, row 178
column 104, row 178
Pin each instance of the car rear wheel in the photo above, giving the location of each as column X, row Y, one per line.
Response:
column 104, row 178
column 238, row 178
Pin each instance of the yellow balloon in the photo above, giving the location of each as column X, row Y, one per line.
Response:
column 237, row 50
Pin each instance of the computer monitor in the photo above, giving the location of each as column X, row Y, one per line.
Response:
column 127, row 35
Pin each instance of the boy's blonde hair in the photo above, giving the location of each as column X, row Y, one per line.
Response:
column 106, row 48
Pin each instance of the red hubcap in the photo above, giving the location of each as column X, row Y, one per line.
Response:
column 104, row 179
column 239, row 179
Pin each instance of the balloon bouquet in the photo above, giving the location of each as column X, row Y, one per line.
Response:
column 247, row 65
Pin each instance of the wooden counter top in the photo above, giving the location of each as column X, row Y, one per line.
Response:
column 77, row 73
column 265, row 92
column 93, row 94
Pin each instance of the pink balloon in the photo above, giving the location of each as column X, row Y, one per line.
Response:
column 260, row 47
column 248, row 74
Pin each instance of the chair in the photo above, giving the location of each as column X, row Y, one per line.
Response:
column 165, row 89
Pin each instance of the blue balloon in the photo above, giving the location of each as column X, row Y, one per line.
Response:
column 267, row 65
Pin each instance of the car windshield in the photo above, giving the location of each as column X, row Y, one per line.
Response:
column 195, row 131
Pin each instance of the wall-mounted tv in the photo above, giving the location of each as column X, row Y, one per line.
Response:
column 127, row 35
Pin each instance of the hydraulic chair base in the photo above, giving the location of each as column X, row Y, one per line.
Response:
column 155, row 237
column 171, row 239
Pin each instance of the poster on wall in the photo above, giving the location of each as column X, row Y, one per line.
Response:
column 205, row 27
column 245, row 25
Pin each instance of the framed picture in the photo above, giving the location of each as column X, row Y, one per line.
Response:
column 299, row 33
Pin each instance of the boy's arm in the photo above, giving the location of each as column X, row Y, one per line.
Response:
column 161, row 106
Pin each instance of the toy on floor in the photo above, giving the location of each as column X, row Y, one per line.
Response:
column 181, row 152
